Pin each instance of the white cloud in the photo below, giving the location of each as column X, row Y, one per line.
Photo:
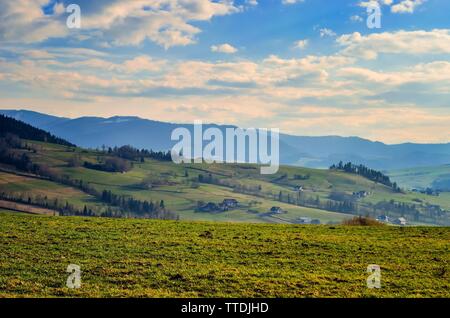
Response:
column 120, row 22
column 24, row 21
column 165, row 22
column 404, row 6
column 375, row 2
column 301, row 44
column 437, row 72
column 291, row 1
column 224, row 48
column 400, row 42
column 326, row 32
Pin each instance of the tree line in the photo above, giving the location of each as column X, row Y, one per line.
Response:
column 371, row 174
column 140, row 208
column 131, row 153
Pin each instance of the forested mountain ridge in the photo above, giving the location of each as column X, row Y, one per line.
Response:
column 25, row 131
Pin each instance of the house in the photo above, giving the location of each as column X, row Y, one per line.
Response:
column 276, row 210
column 299, row 188
column 400, row 221
column 360, row 194
column 230, row 203
column 214, row 207
column 383, row 218
column 304, row 220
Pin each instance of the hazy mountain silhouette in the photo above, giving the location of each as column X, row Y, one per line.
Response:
column 317, row 152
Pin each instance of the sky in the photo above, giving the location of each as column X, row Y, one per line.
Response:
column 307, row 67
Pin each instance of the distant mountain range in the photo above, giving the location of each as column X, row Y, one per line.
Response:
column 314, row 152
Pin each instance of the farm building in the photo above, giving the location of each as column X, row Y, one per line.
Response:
column 304, row 220
column 400, row 221
column 276, row 210
column 230, row 203
column 383, row 218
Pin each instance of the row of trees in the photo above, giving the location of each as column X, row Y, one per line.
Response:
column 131, row 153
column 110, row 164
column 67, row 209
column 335, row 204
column 19, row 160
column 371, row 174
column 141, row 208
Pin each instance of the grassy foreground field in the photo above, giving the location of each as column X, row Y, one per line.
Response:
column 150, row 258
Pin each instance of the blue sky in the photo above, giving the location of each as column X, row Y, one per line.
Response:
column 309, row 67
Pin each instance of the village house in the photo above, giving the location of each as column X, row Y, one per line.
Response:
column 276, row 210
column 400, row 221
column 299, row 188
column 224, row 206
column 383, row 218
column 361, row 194
column 304, row 220
column 230, row 203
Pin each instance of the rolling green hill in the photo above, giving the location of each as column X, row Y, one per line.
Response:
column 325, row 194
column 436, row 177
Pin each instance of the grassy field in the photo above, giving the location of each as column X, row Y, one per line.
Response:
column 150, row 258
column 23, row 185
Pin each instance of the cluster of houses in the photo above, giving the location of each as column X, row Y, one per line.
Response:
column 397, row 221
column 225, row 205
column 301, row 220
column 361, row 194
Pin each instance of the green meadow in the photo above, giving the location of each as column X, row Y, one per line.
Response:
column 154, row 258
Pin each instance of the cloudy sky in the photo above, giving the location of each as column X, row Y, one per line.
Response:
column 308, row 67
